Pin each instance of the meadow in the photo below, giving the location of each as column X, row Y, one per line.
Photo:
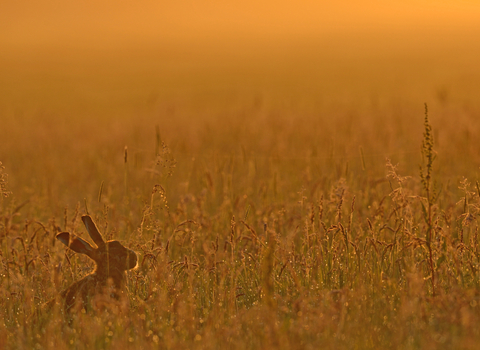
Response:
column 305, row 215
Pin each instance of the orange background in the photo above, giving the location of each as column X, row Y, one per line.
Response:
column 109, row 54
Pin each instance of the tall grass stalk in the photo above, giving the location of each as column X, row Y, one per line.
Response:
column 426, row 172
column 125, row 174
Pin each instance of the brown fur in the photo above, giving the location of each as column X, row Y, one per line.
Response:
column 107, row 281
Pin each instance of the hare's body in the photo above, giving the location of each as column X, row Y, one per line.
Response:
column 112, row 259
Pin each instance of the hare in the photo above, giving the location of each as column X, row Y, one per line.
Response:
column 112, row 259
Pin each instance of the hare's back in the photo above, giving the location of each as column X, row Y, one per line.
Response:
column 78, row 295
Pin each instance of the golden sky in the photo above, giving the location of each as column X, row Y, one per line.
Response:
column 116, row 23
column 81, row 45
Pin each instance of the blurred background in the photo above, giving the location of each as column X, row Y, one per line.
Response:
column 121, row 56
column 293, row 81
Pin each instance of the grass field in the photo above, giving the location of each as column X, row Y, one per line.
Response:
column 259, row 230
column 284, row 198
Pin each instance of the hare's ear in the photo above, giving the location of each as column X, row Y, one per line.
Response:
column 63, row 237
column 92, row 230
column 75, row 243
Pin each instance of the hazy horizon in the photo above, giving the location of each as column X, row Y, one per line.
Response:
column 60, row 53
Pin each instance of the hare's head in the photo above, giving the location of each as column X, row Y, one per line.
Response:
column 111, row 257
